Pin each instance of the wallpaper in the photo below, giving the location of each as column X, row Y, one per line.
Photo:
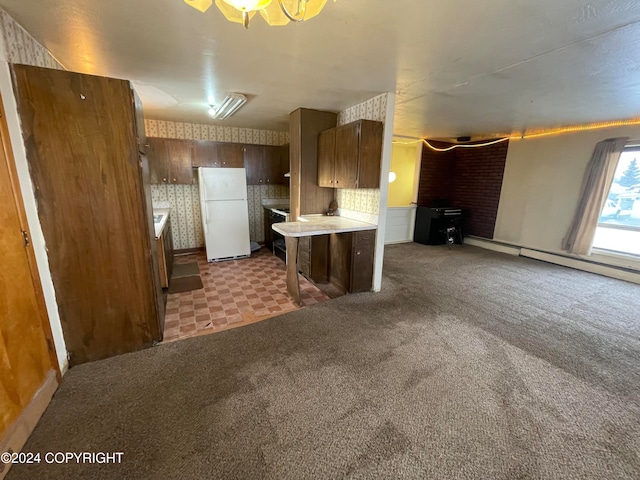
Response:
column 362, row 200
column 22, row 47
column 184, row 200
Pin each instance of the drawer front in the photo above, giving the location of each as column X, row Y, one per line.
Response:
column 364, row 238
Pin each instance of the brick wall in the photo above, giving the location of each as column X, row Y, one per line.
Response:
column 470, row 178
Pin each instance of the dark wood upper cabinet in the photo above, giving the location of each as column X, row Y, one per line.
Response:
column 158, row 162
column 217, row 154
column 266, row 164
column 231, row 155
column 205, row 154
column 179, row 157
column 349, row 156
column 370, row 154
column 82, row 148
column 170, row 161
column 326, row 158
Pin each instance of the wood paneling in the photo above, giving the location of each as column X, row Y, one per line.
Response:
column 27, row 354
column 306, row 196
column 82, row 151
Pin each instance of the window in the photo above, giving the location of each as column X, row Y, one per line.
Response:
column 619, row 224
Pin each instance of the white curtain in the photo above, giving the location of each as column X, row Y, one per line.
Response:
column 595, row 188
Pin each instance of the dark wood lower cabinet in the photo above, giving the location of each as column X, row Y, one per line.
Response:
column 313, row 257
column 165, row 254
column 351, row 260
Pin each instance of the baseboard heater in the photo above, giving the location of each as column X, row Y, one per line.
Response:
column 612, row 271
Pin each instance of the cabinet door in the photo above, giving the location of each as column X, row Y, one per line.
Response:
column 158, row 161
column 179, row 157
column 370, row 154
column 254, row 160
column 283, row 166
column 204, row 154
column 347, row 149
column 272, row 165
column 326, row 158
column 362, row 261
column 230, row 155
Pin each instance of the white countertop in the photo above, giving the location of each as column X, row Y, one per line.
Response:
column 159, row 226
column 309, row 225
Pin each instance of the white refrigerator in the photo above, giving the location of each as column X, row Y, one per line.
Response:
column 225, row 212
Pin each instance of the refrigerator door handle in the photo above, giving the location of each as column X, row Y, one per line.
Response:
column 206, row 218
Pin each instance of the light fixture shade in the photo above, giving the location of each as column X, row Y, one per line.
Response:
column 201, row 5
column 275, row 17
column 248, row 5
column 229, row 106
column 392, row 177
column 231, row 13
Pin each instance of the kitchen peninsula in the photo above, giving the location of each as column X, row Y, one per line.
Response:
column 351, row 250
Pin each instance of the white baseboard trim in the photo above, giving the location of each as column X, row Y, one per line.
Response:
column 491, row 245
column 18, row 433
column 611, row 271
column 598, row 268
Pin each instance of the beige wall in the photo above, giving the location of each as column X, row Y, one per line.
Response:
column 541, row 185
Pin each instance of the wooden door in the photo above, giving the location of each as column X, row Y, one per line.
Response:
column 204, row 154
column 179, row 159
column 347, row 150
column 82, row 151
column 158, row 161
column 370, row 155
column 327, row 158
column 27, row 355
column 231, row 155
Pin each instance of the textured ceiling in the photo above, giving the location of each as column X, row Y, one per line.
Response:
column 459, row 67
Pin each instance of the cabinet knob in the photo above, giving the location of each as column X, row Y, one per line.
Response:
column 164, row 179
column 358, row 253
column 260, row 180
column 268, row 180
column 224, row 163
column 330, row 181
column 337, row 182
column 175, row 180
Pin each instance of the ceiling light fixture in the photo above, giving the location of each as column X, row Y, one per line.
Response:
column 229, row 106
column 275, row 12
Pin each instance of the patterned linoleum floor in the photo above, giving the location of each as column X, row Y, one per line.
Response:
column 235, row 293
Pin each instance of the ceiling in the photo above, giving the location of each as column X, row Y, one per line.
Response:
column 459, row 67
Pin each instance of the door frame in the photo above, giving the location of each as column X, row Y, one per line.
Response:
column 31, row 258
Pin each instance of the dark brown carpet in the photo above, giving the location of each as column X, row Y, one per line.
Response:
column 469, row 365
column 185, row 284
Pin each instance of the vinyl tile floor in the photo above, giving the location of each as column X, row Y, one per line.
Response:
column 235, row 293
